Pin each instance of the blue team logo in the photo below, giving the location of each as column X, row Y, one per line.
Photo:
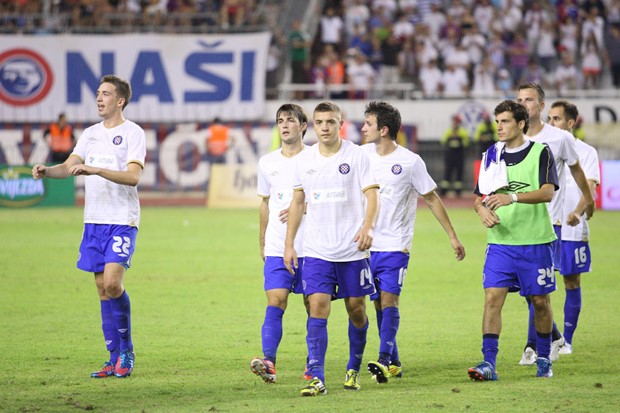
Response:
column 117, row 140
column 316, row 195
column 397, row 169
column 25, row 77
column 344, row 168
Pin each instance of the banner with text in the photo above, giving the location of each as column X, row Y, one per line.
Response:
column 174, row 77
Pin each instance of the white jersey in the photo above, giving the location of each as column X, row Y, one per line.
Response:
column 275, row 181
column 588, row 158
column 334, row 188
column 105, row 201
column 402, row 177
column 562, row 145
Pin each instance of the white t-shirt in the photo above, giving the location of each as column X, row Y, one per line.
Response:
column 275, row 181
column 334, row 188
column 588, row 159
column 562, row 145
column 402, row 177
column 105, row 201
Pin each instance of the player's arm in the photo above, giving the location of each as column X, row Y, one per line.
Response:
column 295, row 214
column 584, row 187
column 59, row 171
column 441, row 215
column 575, row 216
column 366, row 234
column 130, row 177
column 263, row 219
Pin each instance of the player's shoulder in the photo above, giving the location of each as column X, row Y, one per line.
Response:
column 556, row 133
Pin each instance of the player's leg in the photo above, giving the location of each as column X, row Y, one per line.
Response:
column 319, row 286
column 110, row 334
column 576, row 259
column 537, row 280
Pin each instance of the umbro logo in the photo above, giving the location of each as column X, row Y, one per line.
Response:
column 516, row 186
column 311, row 171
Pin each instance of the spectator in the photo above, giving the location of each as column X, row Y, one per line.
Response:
column 534, row 73
column 593, row 23
column 496, row 49
column 233, row 12
column 568, row 32
column 484, row 79
column 335, row 73
column 518, row 57
column 407, row 62
column 389, row 73
column 435, row 20
column 591, row 62
column 430, row 79
column 612, row 55
column 511, row 16
column 545, row 48
column 454, row 81
column 299, row 49
column 403, row 28
column 331, row 27
column 218, row 141
column 356, row 16
column 360, row 75
column 454, row 141
column 60, row 139
column 486, row 133
column 566, row 76
column 535, row 18
column 483, row 16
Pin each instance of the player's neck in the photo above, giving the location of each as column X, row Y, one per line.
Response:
column 113, row 121
column 290, row 150
column 329, row 149
column 386, row 146
column 516, row 142
column 535, row 127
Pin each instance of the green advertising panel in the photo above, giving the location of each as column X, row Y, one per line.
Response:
column 19, row 190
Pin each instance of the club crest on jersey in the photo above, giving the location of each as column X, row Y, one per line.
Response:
column 117, row 140
column 397, row 169
column 344, row 168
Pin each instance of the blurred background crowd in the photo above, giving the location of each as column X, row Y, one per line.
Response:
column 359, row 49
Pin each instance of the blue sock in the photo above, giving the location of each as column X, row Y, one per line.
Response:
column 110, row 335
column 531, row 327
column 389, row 328
column 357, row 344
column 543, row 344
column 572, row 308
column 317, row 346
column 395, row 359
column 490, row 348
column 121, row 312
column 272, row 332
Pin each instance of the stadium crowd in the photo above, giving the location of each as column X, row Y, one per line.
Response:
column 443, row 48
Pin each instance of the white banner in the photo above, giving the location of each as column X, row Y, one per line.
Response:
column 174, row 78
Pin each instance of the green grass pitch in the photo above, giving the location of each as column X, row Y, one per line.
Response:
column 198, row 306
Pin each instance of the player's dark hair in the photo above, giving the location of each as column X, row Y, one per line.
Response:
column 295, row 110
column 570, row 110
column 518, row 111
column 539, row 90
column 123, row 88
column 387, row 115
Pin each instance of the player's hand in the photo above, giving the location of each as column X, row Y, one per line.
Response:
column 573, row 219
column 459, row 249
column 493, row 202
column 38, row 171
column 290, row 260
column 364, row 238
column 283, row 216
column 489, row 218
column 81, row 169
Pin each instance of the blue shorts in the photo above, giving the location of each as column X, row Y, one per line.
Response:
column 529, row 266
column 103, row 244
column 576, row 257
column 277, row 276
column 339, row 279
column 389, row 270
column 556, row 246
